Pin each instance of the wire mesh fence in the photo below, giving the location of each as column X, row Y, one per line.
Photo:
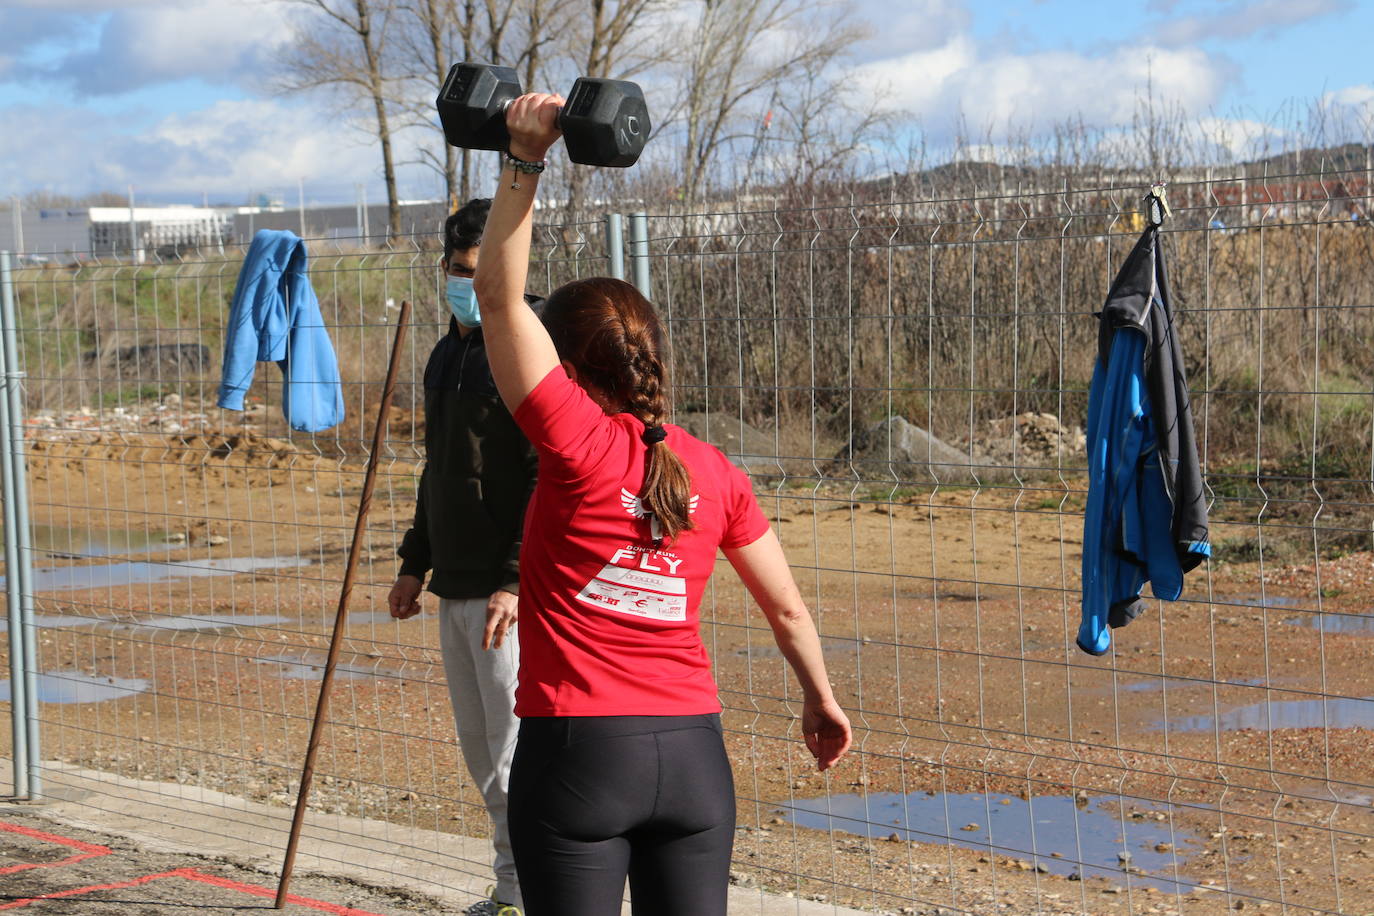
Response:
column 906, row 383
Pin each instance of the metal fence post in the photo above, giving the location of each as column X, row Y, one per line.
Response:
column 18, row 699
column 615, row 245
column 639, row 252
column 18, row 547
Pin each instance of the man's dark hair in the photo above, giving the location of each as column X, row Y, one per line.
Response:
column 463, row 230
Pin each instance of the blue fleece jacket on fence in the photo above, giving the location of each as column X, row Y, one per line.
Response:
column 1126, row 529
column 276, row 317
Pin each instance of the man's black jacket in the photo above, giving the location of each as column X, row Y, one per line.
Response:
column 478, row 476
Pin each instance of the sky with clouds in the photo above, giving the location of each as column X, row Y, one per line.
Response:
column 173, row 98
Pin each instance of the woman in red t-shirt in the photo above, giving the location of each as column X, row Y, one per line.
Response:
column 620, row 768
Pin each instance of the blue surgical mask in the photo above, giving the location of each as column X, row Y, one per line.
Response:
column 462, row 299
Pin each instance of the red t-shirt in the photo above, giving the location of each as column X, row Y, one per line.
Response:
column 608, row 624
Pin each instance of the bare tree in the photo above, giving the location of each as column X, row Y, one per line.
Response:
column 606, row 39
column 543, row 23
column 434, row 35
column 341, row 45
column 739, row 50
column 825, row 129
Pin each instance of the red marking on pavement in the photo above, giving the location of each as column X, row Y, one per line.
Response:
column 190, row 874
column 333, row 908
column 88, row 850
column 78, row 891
column 91, row 850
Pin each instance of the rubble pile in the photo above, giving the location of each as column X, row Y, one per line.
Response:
column 169, row 415
column 1032, row 438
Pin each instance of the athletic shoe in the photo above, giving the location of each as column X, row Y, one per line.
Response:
column 492, row 907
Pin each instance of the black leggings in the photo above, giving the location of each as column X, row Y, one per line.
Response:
column 594, row 798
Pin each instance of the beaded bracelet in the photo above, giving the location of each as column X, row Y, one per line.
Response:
column 519, row 166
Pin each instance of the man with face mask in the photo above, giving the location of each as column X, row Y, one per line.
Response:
column 469, row 515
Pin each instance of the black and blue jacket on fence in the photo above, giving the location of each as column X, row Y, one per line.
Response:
column 275, row 317
column 1146, row 519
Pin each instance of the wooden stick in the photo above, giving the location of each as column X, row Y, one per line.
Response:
column 322, row 706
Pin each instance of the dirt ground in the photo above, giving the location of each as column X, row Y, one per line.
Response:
column 948, row 617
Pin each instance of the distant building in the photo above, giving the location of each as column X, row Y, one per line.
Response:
column 161, row 231
column 345, row 225
column 67, row 234
column 47, row 234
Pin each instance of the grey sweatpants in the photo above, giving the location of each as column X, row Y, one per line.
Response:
column 481, row 685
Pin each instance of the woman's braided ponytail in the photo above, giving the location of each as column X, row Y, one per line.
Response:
column 667, row 484
column 609, row 332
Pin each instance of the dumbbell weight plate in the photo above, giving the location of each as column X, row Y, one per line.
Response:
column 472, row 105
column 605, row 122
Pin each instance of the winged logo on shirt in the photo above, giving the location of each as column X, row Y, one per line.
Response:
column 634, row 505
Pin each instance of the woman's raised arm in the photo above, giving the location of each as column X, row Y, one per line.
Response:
column 518, row 347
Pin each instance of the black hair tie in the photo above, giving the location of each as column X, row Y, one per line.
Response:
column 653, row 435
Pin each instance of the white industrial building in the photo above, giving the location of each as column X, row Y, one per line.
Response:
column 63, row 235
column 162, row 231
column 70, row 233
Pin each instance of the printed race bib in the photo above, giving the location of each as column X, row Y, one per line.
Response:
column 642, row 591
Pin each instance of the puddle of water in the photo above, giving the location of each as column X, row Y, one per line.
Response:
column 1154, row 684
column 1359, row 624
column 207, row 622
column 76, row 541
column 76, row 687
column 53, row 622
column 299, row 667
column 1009, row 826
column 1337, row 712
column 1257, row 601
column 373, row 617
column 108, row 575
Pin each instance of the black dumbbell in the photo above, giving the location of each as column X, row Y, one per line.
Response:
column 604, row 122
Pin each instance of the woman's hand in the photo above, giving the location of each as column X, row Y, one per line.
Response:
column 532, row 121
column 826, row 730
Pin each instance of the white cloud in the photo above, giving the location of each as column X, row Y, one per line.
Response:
column 1243, row 18
column 226, row 150
column 156, row 42
column 82, row 6
column 1242, row 138
column 1361, row 96
column 907, row 26
column 1039, row 89
column 24, row 28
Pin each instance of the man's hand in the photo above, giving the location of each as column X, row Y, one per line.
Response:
column 502, row 611
column 404, row 598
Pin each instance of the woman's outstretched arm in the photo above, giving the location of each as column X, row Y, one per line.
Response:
column 518, row 347
column 763, row 567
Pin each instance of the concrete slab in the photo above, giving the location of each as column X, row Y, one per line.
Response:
column 171, row 818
